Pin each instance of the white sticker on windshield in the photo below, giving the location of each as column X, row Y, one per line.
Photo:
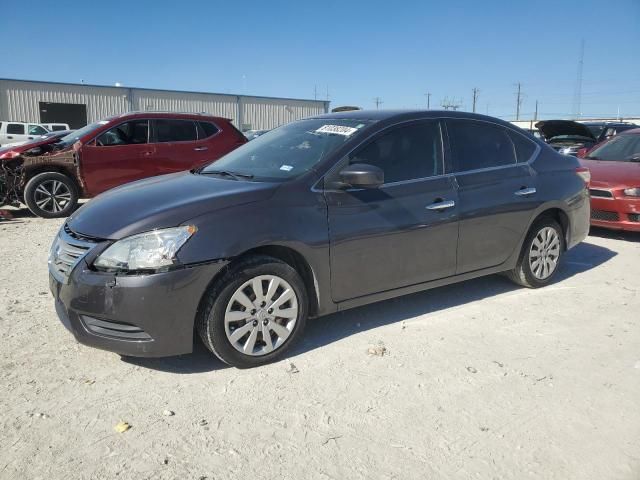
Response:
column 337, row 129
column 286, row 168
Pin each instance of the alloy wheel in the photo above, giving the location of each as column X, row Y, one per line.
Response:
column 52, row 196
column 261, row 315
column 544, row 253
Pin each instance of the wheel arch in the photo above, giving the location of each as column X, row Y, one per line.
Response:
column 291, row 257
column 38, row 169
column 560, row 216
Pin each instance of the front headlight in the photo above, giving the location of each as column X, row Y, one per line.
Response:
column 150, row 251
column 632, row 192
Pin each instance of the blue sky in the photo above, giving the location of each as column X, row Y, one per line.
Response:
column 359, row 50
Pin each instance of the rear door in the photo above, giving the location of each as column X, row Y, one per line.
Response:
column 178, row 146
column 14, row 132
column 404, row 232
column 120, row 155
column 496, row 190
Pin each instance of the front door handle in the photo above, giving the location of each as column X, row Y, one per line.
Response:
column 525, row 192
column 201, row 149
column 441, row 205
column 147, row 153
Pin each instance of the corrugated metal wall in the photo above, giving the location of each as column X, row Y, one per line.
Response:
column 19, row 101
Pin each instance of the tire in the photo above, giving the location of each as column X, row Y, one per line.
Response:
column 226, row 325
column 527, row 272
column 62, row 195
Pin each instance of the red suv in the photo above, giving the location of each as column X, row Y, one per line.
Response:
column 50, row 178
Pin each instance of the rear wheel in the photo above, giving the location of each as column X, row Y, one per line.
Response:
column 51, row 195
column 540, row 256
column 254, row 313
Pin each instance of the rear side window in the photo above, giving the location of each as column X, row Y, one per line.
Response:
column 206, row 129
column 128, row 133
column 175, row 130
column 525, row 148
column 58, row 128
column 405, row 153
column 15, row 129
column 476, row 145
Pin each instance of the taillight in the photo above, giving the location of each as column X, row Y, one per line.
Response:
column 584, row 173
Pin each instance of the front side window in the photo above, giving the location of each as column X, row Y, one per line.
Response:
column 476, row 145
column 405, row 153
column 128, row 133
column 288, row 151
column 175, row 130
column 619, row 148
column 15, row 129
column 37, row 130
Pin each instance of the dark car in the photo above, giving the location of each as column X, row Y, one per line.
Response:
column 112, row 152
column 569, row 137
column 316, row 216
column 615, row 182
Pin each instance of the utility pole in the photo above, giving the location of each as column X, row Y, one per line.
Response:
column 327, row 93
column 315, row 92
column 535, row 115
column 378, row 102
column 475, row 98
column 577, row 96
column 518, row 99
column 428, row 95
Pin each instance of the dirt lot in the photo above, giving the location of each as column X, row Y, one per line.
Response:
column 478, row 380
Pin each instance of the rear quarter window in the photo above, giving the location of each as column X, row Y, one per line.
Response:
column 206, row 130
column 524, row 147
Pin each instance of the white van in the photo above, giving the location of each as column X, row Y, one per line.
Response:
column 11, row 132
column 55, row 127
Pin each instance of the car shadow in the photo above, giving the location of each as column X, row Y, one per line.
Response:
column 334, row 327
column 614, row 234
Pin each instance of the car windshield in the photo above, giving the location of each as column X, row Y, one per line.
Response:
column 287, row 151
column 620, row 148
column 74, row 136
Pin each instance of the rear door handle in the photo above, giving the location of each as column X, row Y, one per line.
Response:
column 147, row 153
column 525, row 192
column 200, row 149
column 441, row 205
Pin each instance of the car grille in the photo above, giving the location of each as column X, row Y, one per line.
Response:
column 600, row 193
column 67, row 251
column 634, row 217
column 604, row 215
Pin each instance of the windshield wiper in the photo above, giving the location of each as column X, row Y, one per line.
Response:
column 226, row 173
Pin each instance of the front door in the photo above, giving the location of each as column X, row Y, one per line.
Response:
column 120, row 155
column 402, row 233
column 496, row 189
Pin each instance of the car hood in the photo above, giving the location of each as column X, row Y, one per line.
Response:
column 162, row 202
column 24, row 146
column 609, row 174
column 554, row 128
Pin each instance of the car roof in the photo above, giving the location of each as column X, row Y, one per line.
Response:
column 633, row 131
column 384, row 115
column 166, row 114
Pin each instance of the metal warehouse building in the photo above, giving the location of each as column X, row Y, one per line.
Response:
column 79, row 104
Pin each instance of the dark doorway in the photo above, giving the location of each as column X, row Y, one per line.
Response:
column 75, row 114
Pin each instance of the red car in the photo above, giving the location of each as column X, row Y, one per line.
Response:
column 615, row 181
column 50, row 178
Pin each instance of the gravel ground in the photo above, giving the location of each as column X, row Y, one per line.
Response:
column 476, row 380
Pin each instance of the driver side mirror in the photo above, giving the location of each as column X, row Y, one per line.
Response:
column 362, row 175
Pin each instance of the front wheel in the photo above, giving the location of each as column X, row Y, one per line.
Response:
column 51, row 195
column 541, row 254
column 254, row 313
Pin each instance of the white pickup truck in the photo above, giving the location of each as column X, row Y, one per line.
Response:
column 12, row 132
